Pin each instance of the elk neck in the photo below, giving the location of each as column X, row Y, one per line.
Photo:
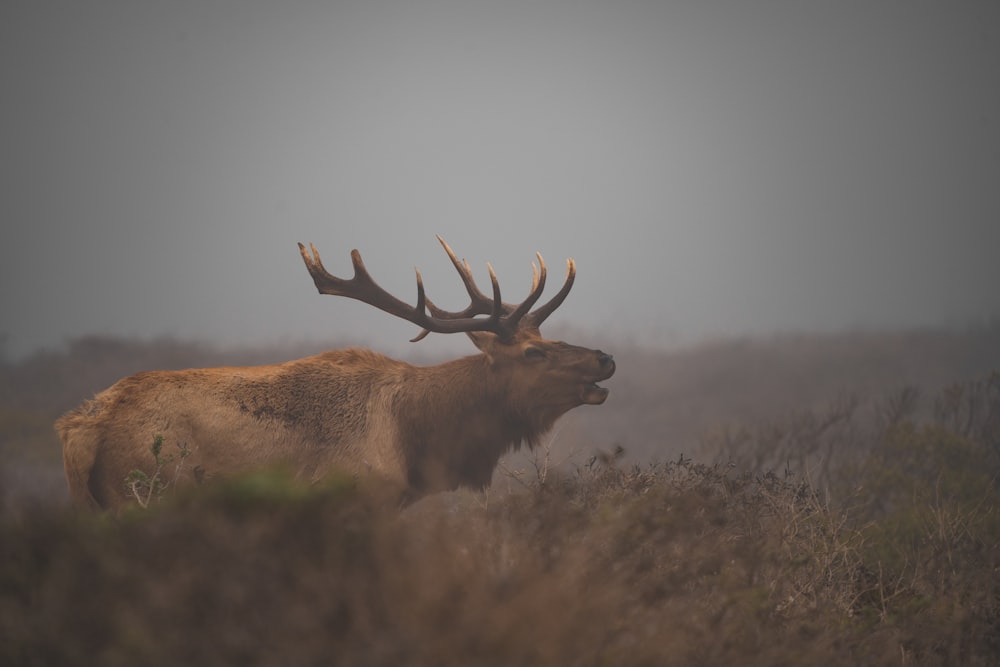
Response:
column 460, row 416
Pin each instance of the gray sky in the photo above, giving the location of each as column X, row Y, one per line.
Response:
column 715, row 168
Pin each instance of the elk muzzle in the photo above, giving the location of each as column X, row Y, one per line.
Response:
column 593, row 393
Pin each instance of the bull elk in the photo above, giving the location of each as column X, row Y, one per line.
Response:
column 425, row 429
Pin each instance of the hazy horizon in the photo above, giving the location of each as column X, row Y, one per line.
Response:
column 715, row 169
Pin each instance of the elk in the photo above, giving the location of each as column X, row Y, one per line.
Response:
column 424, row 429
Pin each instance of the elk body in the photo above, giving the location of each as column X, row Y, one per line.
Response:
column 424, row 429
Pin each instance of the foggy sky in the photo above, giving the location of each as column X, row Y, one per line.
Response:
column 715, row 168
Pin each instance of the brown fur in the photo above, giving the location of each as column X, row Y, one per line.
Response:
column 425, row 429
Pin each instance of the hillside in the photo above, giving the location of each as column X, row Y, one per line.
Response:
column 795, row 500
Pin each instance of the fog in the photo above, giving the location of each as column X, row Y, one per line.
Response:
column 715, row 168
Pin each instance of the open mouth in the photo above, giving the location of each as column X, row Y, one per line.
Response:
column 595, row 394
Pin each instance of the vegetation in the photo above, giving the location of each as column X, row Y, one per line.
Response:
column 862, row 531
column 145, row 487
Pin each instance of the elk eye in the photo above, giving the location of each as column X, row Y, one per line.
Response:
column 534, row 353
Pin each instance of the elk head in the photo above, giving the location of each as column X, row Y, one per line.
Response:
column 542, row 377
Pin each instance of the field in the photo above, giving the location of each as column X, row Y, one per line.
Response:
column 808, row 499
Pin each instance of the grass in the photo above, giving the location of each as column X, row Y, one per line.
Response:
column 672, row 563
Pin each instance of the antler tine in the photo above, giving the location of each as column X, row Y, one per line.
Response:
column 481, row 304
column 497, row 301
column 422, row 301
column 537, row 286
column 421, row 296
column 537, row 316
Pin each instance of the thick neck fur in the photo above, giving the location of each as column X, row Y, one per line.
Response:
column 458, row 418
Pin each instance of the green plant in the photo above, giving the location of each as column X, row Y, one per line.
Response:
column 145, row 487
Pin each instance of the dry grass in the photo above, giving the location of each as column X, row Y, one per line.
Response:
column 675, row 563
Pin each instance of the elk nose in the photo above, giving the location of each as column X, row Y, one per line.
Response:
column 605, row 359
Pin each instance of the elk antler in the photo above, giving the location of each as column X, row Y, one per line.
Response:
column 503, row 319
column 514, row 314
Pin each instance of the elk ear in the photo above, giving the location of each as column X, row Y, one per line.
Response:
column 485, row 341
